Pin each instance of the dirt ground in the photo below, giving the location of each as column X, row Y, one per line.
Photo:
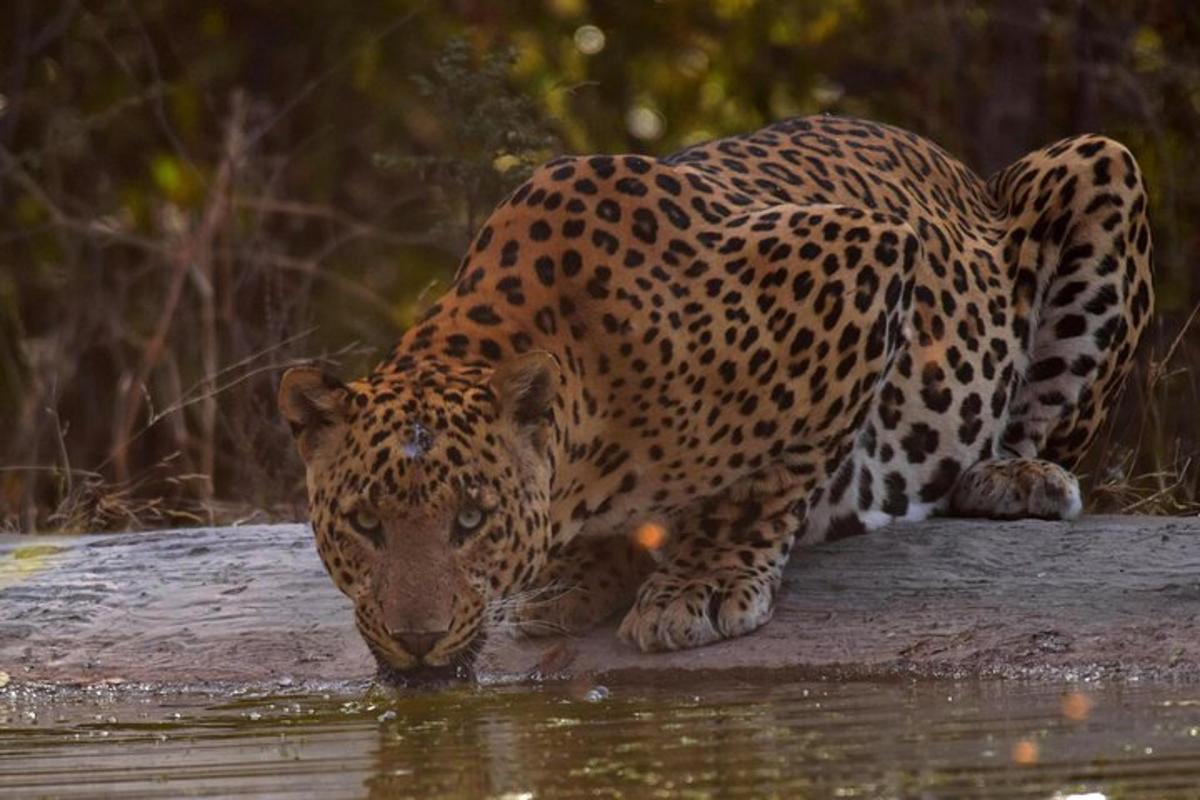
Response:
column 1115, row 597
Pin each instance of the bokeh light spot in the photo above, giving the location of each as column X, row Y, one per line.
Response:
column 1025, row 752
column 650, row 536
column 1076, row 706
column 589, row 39
column 645, row 123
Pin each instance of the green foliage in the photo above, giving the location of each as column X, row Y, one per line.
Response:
column 490, row 133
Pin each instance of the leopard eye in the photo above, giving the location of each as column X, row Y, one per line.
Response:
column 365, row 522
column 469, row 518
column 365, row 518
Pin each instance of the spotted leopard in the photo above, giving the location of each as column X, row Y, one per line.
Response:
column 772, row 339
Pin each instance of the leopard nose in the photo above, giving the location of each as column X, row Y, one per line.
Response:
column 417, row 643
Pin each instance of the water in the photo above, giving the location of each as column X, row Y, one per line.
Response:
column 726, row 740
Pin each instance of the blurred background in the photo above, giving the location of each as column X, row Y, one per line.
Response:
column 195, row 194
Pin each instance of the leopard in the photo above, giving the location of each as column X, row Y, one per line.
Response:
column 765, row 341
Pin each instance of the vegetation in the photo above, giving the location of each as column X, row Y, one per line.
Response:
column 196, row 194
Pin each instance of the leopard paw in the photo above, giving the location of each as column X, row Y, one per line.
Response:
column 675, row 613
column 1017, row 488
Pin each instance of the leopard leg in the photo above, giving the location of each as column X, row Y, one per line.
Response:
column 1080, row 254
column 585, row 582
column 721, row 569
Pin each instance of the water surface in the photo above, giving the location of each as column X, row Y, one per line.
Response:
column 727, row 739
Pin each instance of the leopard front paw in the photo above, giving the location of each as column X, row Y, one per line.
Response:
column 676, row 613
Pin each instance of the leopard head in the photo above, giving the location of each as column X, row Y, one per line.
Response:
column 429, row 494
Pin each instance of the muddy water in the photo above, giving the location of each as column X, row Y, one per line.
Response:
column 858, row 739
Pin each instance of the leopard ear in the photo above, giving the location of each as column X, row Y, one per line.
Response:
column 313, row 402
column 526, row 386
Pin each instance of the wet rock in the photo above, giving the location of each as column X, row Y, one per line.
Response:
column 1099, row 597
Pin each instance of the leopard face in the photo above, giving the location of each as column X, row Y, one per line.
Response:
column 428, row 497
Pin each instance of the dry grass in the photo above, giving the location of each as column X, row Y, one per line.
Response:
column 148, row 398
column 1147, row 468
column 1144, row 462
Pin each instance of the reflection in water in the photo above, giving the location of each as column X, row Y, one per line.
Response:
column 791, row 740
